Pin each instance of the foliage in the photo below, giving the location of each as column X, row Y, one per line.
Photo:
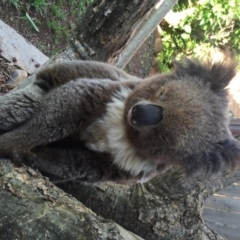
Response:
column 202, row 25
column 39, row 5
column 16, row 3
column 58, row 15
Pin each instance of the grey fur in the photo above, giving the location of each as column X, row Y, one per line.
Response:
column 76, row 121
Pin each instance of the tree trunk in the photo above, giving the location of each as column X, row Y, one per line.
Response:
column 167, row 207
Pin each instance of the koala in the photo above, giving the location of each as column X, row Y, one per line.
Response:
column 90, row 121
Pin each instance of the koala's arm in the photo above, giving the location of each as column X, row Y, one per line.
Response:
column 63, row 112
column 58, row 74
column 76, row 163
column 57, row 119
column 18, row 106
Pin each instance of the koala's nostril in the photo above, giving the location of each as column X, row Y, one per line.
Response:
column 146, row 114
column 134, row 121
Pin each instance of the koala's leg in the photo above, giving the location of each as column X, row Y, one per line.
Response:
column 48, row 126
column 62, row 112
column 17, row 107
column 73, row 164
column 77, row 164
column 58, row 74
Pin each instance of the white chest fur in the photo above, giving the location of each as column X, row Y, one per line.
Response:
column 107, row 134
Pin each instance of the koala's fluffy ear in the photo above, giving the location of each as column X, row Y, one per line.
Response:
column 217, row 73
column 226, row 154
column 221, row 73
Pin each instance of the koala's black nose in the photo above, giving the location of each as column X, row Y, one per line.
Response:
column 146, row 114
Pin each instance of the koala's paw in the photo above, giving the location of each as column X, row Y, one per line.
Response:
column 20, row 158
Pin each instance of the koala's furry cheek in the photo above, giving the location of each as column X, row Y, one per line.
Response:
column 224, row 155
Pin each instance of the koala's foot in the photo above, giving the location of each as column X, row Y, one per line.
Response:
column 19, row 158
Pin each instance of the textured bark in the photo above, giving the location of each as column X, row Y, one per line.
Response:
column 156, row 16
column 33, row 208
column 108, row 26
column 168, row 207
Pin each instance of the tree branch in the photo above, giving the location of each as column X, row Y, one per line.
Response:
column 167, row 207
column 150, row 25
column 32, row 207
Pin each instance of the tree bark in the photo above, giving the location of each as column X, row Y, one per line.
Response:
column 108, row 27
column 33, row 208
column 167, row 207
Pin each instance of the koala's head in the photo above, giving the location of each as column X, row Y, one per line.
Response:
column 182, row 117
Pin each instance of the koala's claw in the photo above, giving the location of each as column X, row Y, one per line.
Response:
column 19, row 158
column 16, row 158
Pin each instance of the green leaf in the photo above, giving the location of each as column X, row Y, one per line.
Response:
column 187, row 28
column 202, row 22
column 185, row 35
column 31, row 22
column 211, row 2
